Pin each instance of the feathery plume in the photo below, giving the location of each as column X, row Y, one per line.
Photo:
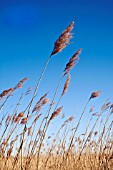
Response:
column 68, row 120
column 66, row 85
column 92, row 109
column 105, row 106
column 73, row 60
column 37, row 117
column 19, row 85
column 63, row 40
column 6, row 92
column 55, row 113
column 17, row 119
column 95, row 94
column 29, row 131
column 42, row 101
column 21, row 114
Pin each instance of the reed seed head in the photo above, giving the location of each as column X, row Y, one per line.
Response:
column 55, row 113
column 6, row 92
column 20, row 84
column 21, row 114
column 42, row 101
column 95, row 94
column 66, row 84
column 72, row 62
column 63, row 40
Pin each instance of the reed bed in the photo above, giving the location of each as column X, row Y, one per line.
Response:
column 24, row 140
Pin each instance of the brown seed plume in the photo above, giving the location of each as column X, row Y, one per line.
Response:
column 72, row 62
column 17, row 119
column 66, row 85
column 21, row 114
column 105, row 106
column 92, row 109
column 55, row 113
column 6, row 92
column 37, row 117
column 43, row 100
column 69, row 120
column 20, row 84
column 44, row 96
column 29, row 131
column 95, row 94
column 63, row 40
column 75, row 56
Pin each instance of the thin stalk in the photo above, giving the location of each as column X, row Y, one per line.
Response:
column 37, row 86
column 77, row 127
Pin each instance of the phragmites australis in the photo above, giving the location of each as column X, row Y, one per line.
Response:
column 19, row 85
column 92, row 109
column 6, row 92
column 63, row 40
column 105, row 106
column 37, row 117
column 17, row 119
column 73, row 60
column 29, row 131
column 28, row 91
column 95, row 94
column 24, row 120
column 55, row 113
column 21, row 114
column 69, row 120
column 42, row 101
column 66, row 85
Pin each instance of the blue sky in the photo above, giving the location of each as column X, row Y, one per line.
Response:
column 28, row 30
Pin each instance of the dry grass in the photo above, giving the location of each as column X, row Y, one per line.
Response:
column 24, row 143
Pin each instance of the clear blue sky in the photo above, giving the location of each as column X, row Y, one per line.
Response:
column 28, row 30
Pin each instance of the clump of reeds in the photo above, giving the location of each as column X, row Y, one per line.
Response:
column 25, row 142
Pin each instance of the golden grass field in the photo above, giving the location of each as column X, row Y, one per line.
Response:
column 24, row 140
